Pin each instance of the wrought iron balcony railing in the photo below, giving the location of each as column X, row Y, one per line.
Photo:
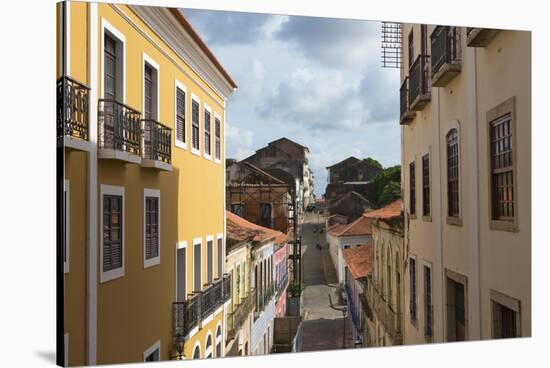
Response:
column 200, row 305
column 240, row 313
column 445, row 56
column 419, row 83
column 157, row 141
column 406, row 114
column 119, row 127
column 73, row 103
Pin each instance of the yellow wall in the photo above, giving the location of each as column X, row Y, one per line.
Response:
column 134, row 311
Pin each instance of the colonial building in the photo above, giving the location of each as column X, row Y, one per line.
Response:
column 352, row 169
column 285, row 156
column 280, row 258
column 385, row 292
column 341, row 236
column 466, row 155
column 140, row 126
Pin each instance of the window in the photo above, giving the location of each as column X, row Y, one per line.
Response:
column 412, row 285
column 426, row 185
column 112, row 225
column 452, row 174
column 197, row 277
column 505, row 313
column 456, row 311
column 424, row 39
column 181, row 272
column 266, row 215
column 428, row 309
column 152, row 227
column 67, row 225
column 217, row 139
column 195, row 125
column 152, row 354
column 208, row 347
column 220, row 255
column 181, row 108
column 150, row 88
column 412, row 189
column 502, row 169
column 110, row 66
column 209, row 259
column 207, row 132
column 197, row 352
column 411, row 47
column 219, row 341
column 237, row 209
column 113, row 59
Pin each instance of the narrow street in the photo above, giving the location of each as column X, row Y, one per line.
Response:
column 323, row 325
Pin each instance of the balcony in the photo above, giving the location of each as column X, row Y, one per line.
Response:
column 119, row 135
column 282, row 285
column 157, row 145
column 419, row 83
column 73, row 103
column 385, row 312
column 190, row 313
column 238, row 317
column 446, row 63
column 480, row 37
column 406, row 114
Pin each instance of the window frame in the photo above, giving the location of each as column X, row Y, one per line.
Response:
column 146, row 59
column 413, row 301
column 453, row 219
column 114, row 33
column 506, row 107
column 116, row 273
column 195, row 347
column 209, row 350
column 195, row 151
column 154, row 193
column 178, row 143
column 219, row 236
column 510, row 303
column 181, row 245
column 197, row 241
column 219, row 341
column 151, row 349
column 209, row 265
column 207, row 109
column 426, row 186
column 428, row 335
column 217, row 159
column 412, row 189
column 67, row 217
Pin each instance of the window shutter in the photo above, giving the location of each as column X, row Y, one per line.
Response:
column 220, row 258
column 197, row 267
column 180, row 113
column 209, row 261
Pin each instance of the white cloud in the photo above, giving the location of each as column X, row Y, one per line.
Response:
column 239, row 142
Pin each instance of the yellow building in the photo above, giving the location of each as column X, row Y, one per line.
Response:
column 141, row 113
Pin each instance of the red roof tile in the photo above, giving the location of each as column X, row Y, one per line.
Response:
column 359, row 227
column 240, row 229
column 359, row 260
column 388, row 212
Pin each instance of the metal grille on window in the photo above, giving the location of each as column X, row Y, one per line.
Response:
column 180, row 115
column 151, row 228
column 217, row 131
column 112, row 232
column 195, row 123
column 452, row 173
column 207, row 136
column 502, row 167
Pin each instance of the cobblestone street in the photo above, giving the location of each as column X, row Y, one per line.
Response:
column 323, row 325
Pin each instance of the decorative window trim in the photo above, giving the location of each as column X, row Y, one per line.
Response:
column 506, row 107
column 195, row 151
column 177, row 142
column 156, row 260
column 454, row 220
column 412, row 214
column 218, row 237
column 180, row 245
column 207, row 108
column 117, row 272
column 153, row 64
column 67, row 192
column 209, row 238
column 106, row 26
column 195, row 242
column 216, row 159
column 427, row 217
column 208, row 350
column 197, row 345
column 151, row 349
column 219, row 339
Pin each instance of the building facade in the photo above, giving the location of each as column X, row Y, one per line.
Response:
column 280, row 258
column 466, row 124
column 385, row 292
column 140, row 127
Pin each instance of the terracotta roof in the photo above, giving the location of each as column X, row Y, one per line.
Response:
column 388, row 212
column 241, row 230
column 361, row 226
column 359, row 260
column 195, row 36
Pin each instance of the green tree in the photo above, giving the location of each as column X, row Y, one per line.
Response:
column 386, row 186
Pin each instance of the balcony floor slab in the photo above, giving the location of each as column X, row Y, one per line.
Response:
column 112, row 154
column 155, row 164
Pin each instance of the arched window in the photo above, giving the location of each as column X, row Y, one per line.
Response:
column 452, row 174
column 197, row 352
column 219, row 341
column 208, row 347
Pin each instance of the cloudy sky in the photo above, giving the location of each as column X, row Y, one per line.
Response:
column 317, row 81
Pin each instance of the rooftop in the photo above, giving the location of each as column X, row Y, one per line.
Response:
column 359, row 260
column 240, row 230
column 391, row 211
column 359, row 227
